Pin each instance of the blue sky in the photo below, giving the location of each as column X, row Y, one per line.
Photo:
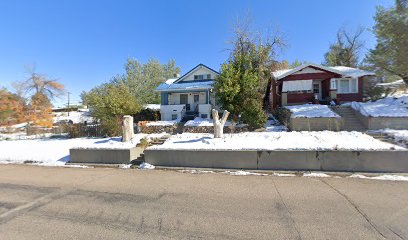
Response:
column 85, row 43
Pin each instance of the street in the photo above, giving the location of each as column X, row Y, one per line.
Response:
column 106, row 203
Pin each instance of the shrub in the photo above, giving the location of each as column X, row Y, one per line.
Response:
column 282, row 114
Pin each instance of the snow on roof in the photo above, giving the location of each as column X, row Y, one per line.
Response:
column 311, row 111
column 185, row 85
column 342, row 70
column 170, row 80
column 352, row 72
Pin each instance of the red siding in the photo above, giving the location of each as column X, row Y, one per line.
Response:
column 300, row 97
column 349, row 97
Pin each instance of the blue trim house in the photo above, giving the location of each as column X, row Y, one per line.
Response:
column 189, row 95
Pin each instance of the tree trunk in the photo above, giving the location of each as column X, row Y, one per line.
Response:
column 219, row 124
column 127, row 128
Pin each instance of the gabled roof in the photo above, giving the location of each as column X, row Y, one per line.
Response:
column 176, row 84
column 341, row 70
column 195, row 68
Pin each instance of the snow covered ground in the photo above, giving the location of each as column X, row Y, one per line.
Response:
column 324, row 140
column 311, row 111
column 75, row 117
column 400, row 136
column 162, row 123
column 203, row 122
column 55, row 152
column 392, row 106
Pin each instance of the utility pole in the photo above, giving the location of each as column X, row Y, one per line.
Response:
column 68, row 103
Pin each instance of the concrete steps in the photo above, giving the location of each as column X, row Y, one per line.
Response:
column 382, row 137
column 351, row 121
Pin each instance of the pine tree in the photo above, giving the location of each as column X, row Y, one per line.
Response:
column 391, row 28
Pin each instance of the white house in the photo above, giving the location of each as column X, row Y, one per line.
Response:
column 189, row 95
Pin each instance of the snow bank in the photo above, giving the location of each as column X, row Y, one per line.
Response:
column 146, row 165
column 244, row 173
column 324, row 140
column 55, row 152
column 394, row 106
column 204, row 122
column 200, row 122
column 311, row 111
column 162, row 123
column 273, row 125
column 382, row 177
column 315, row 174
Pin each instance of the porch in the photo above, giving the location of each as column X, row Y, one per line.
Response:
column 182, row 105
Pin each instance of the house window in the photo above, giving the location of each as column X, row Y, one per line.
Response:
column 173, row 116
column 208, row 76
column 316, row 88
column 196, row 98
column 198, row 77
column 347, row 85
column 204, row 116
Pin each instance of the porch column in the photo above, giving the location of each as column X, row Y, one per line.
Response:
column 284, row 99
column 333, row 89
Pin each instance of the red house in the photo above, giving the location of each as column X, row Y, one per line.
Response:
column 316, row 83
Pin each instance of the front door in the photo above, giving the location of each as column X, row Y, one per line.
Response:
column 195, row 103
column 317, row 90
column 184, row 100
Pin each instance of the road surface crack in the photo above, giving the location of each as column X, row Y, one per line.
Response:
column 354, row 205
column 287, row 209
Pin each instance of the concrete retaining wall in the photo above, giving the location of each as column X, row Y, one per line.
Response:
column 316, row 124
column 104, row 156
column 354, row 161
column 375, row 123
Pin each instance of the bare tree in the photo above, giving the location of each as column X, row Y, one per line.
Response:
column 37, row 83
column 346, row 50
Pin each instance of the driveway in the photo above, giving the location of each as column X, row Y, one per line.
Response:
column 102, row 203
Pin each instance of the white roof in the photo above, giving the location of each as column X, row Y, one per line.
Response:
column 341, row 70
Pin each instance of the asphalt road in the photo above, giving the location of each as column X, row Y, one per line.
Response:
column 66, row 203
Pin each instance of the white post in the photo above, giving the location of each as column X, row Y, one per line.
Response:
column 127, row 128
column 219, row 124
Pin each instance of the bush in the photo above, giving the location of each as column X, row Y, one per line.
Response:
column 282, row 114
column 147, row 115
column 375, row 93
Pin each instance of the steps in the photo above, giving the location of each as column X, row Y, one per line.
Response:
column 382, row 137
column 351, row 121
column 156, row 141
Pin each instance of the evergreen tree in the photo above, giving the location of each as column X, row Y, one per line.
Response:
column 390, row 55
column 242, row 85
